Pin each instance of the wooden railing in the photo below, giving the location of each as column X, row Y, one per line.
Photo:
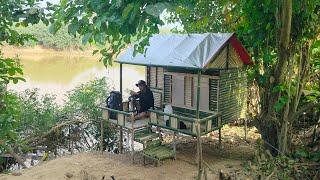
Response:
column 211, row 122
column 207, row 124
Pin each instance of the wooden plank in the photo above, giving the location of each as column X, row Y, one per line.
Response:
column 174, row 122
column 153, row 117
column 105, row 114
column 121, row 120
column 209, row 125
column 190, row 75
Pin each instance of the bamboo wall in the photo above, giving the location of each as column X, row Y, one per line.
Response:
column 232, row 94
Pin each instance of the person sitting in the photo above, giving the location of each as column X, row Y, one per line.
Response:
column 146, row 100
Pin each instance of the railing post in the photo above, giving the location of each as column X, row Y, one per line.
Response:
column 174, row 145
column 132, row 137
column 199, row 150
column 121, row 131
column 102, row 135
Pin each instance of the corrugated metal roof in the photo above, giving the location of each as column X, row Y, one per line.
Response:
column 178, row 50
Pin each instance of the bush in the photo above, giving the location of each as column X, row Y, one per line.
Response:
column 61, row 40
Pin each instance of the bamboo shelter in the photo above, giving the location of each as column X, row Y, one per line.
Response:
column 203, row 78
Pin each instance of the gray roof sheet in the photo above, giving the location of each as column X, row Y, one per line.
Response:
column 178, row 50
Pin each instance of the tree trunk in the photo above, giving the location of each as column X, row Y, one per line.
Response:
column 273, row 131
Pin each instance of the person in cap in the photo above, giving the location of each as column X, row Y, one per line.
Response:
column 146, row 99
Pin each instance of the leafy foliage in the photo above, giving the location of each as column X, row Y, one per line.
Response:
column 114, row 22
column 29, row 115
column 19, row 13
column 61, row 40
column 10, row 70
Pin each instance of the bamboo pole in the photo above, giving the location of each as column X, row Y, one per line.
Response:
column 199, row 151
column 132, row 138
column 121, row 131
column 198, row 95
column 245, row 129
column 199, row 146
column 174, row 145
column 102, row 135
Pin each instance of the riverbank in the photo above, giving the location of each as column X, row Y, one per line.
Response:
column 229, row 158
column 38, row 52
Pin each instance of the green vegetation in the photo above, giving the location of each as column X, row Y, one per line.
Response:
column 59, row 41
column 33, row 120
column 282, row 38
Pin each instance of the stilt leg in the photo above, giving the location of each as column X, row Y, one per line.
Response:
column 199, row 152
column 121, row 140
column 245, row 129
column 102, row 135
column 132, row 138
column 220, row 137
column 174, row 145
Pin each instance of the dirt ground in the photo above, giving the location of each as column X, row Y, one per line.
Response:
column 230, row 158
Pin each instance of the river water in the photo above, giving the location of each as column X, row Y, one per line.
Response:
column 58, row 74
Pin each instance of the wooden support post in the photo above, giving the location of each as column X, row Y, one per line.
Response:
column 121, row 131
column 199, row 145
column 174, row 145
column 220, row 126
column 199, row 151
column 245, row 129
column 220, row 137
column 102, row 135
column 132, row 138
column 198, row 95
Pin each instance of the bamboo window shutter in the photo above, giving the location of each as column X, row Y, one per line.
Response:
column 153, row 77
column 160, row 78
column 188, row 91
column 167, row 88
column 213, row 94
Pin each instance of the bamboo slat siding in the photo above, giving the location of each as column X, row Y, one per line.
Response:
column 167, row 88
column 178, row 90
column 153, row 77
column 232, row 94
column 147, row 78
column 234, row 59
column 160, row 78
column 157, row 99
column 213, row 94
column 220, row 61
column 188, row 91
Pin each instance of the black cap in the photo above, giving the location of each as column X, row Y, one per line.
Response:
column 141, row 82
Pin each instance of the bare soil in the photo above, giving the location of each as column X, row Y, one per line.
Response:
column 230, row 158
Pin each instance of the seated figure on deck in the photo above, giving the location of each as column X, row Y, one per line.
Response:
column 146, row 100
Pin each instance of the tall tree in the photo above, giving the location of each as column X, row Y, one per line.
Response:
column 278, row 35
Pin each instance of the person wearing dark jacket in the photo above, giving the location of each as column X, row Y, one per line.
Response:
column 146, row 99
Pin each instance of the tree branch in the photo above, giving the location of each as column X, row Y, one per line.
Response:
column 306, row 108
column 42, row 138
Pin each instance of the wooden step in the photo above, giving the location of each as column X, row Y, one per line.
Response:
column 159, row 152
column 145, row 135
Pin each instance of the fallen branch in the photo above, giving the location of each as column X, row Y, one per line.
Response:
column 306, row 108
column 15, row 156
column 40, row 139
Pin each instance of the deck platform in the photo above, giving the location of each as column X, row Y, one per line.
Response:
column 138, row 124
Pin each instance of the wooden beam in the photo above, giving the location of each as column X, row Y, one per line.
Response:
column 101, row 135
column 198, row 96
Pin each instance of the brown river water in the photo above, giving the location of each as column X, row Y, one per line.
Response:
column 57, row 73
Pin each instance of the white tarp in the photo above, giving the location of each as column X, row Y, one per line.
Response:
column 178, row 50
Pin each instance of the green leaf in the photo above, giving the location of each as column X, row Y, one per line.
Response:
column 86, row 38
column 63, row 3
column 95, row 52
column 157, row 9
column 73, row 28
column 100, row 38
column 127, row 10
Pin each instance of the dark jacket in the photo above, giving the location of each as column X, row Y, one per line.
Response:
column 146, row 100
